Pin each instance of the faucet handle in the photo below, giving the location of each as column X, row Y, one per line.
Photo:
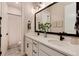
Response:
column 61, row 38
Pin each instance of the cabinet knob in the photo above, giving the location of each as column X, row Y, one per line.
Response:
column 27, row 45
column 6, row 33
column 34, row 51
column 34, row 43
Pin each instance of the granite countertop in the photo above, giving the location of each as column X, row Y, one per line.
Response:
column 62, row 46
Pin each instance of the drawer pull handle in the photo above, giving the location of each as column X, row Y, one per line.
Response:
column 34, row 51
column 27, row 45
column 34, row 43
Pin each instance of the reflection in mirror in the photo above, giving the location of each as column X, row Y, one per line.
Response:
column 42, row 18
column 61, row 16
column 57, row 16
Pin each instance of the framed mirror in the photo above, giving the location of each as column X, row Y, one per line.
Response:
column 62, row 16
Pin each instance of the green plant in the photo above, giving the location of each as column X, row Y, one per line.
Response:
column 44, row 27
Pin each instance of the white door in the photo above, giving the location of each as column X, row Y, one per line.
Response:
column 14, row 29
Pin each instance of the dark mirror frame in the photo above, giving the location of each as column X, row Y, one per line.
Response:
column 55, row 33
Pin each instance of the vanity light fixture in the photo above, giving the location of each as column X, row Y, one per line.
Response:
column 33, row 11
column 42, row 5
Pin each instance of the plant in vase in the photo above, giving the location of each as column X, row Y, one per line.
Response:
column 44, row 27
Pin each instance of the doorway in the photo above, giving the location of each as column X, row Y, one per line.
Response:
column 14, row 28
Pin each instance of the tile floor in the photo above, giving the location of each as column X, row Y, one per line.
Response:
column 14, row 52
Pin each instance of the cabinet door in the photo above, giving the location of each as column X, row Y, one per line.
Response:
column 41, row 53
column 35, row 51
column 49, row 51
column 28, row 39
column 35, row 48
column 28, row 48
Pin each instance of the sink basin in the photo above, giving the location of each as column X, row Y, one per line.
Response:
column 60, row 43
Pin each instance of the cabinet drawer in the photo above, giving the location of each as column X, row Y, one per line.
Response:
column 28, row 48
column 35, row 50
column 35, row 43
column 28, row 39
column 41, row 53
column 35, row 54
column 49, row 51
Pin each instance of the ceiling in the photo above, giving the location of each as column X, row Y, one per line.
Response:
column 65, row 3
column 41, row 4
column 14, row 4
column 35, row 4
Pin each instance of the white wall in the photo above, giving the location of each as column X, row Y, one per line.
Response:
column 13, row 10
column 29, row 16
column 0, row 9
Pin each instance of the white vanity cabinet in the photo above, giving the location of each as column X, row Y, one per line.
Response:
column 42, row 53
column 48, row 51
column 31, row 47
column 36, row 48
column 28, row 46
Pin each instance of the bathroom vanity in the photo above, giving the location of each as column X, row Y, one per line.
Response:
column 36, row 48
column 63, row 17
column 41, row 46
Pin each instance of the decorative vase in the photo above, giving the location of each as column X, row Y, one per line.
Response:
column 45, row 34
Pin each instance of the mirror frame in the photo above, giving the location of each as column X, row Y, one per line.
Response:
column 55, row 33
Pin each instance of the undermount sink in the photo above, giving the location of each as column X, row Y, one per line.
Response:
column 60, row 43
